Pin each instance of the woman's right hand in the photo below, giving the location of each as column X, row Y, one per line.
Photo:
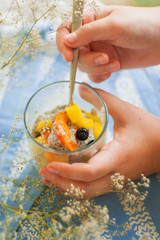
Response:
column 117, row 38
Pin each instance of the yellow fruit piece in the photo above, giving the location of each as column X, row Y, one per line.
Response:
column 43, row 138
column 93, row 117
column 52, row 157
column 97, row 129
column 44, row 124
column 39, row 139
column 76, row 116
column 74, row 113
column 87, row 123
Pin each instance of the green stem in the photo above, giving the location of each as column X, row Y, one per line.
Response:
column 11, row 133
column 19, row 184
column 7, row 13
column 21, row 55
column 26, row 211
column 11, row 59
column 6, row 222
column 17, row 140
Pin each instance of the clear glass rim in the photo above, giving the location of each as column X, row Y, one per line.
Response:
column 69, row 152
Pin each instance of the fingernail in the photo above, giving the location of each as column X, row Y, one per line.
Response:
column 46, row 182
column 64, row 57
column 113, row 67
column 44, row 174
column 100, row 60
column 72, row 37
column 67, row 56
column 52, row 170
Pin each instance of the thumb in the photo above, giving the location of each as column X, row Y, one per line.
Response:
column 117, row 108
column 101, row 29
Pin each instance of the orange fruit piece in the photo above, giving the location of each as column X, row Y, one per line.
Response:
column 63, row 133
column 43, row 138
column 56, row 157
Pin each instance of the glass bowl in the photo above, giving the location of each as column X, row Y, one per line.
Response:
column 57, row 94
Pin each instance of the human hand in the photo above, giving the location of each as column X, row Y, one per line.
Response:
column 135, row 149
column 117, row 38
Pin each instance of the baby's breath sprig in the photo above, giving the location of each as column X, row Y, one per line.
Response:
column 16, row 134
column 131, row 190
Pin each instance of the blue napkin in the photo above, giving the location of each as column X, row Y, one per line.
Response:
column 140, row 87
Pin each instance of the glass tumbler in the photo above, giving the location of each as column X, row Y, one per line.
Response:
column 57, row 94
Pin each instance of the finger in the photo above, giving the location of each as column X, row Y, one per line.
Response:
column 65, row 29
column 46, row 182
column 88, row 17
column 101, row 29
column 98, row 166
column 92, row 188
column 66, row 51
column 117, row 108
column 99, row 78
column 100, row 69
column 89, row 58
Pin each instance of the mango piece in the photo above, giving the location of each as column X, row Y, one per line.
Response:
column 56, row 158
column 76, row 116
column 43, row 138
column 94, row 117
column 44, row 124
column 63, row 133
column 97, row 129
column 74, row 113
column 39, row 139
column 87, row 123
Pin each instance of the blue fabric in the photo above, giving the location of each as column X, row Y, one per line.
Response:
column 140, row 87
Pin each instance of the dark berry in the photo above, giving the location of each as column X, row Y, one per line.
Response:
column 38, row 135
column 82, row 134
column 90, row 142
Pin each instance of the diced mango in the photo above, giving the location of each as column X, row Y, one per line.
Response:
column 44, row 124
column 74, row 113
column 63, row 133
column 56, row 158
column 94, row 117
column 86, row 123
column 97, row 129
column 39, row 139
column 76, row 116
column 43, row 138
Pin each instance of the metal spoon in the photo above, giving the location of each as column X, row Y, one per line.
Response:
column 76, row 23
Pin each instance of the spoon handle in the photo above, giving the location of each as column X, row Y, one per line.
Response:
column 76, row 23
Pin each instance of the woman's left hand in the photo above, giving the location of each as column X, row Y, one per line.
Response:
column 135, row 149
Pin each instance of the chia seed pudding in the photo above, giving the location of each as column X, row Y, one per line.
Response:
column 67, row 128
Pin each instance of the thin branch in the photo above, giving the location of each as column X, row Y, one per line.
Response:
column 28, row 211
column 11, row 59
column 7, row 13
column 33, row 227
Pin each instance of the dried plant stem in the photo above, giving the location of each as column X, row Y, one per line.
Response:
column 33, row 227
column 24, row 53
column 20, row 185
column 6, row 222
column 29, row 211
column 7, row 13
column 7, row 143
column 35, row 22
